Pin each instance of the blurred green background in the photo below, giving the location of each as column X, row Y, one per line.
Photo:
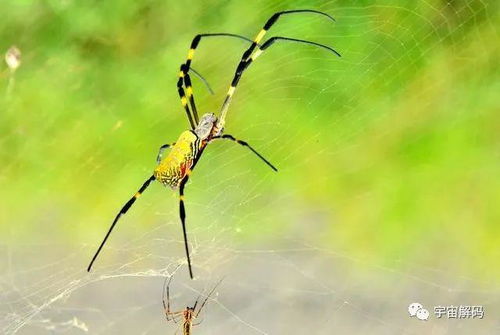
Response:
column 389, row 154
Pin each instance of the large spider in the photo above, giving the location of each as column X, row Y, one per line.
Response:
column 174, row 170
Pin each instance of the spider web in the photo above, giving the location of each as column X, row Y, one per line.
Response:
column 301, row 250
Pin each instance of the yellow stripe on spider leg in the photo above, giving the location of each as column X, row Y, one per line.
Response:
column 256, row 54
column 189, row 91
column 184, row 100
column 231, row 90
column 190, row 54
column 260, row 35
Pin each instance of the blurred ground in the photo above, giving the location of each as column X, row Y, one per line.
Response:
column 288, row 290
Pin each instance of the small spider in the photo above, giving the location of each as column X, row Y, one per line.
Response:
column 189, row 314
column 174, row 170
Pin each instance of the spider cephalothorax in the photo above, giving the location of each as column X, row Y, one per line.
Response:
column 175, row 168
column 205, row 128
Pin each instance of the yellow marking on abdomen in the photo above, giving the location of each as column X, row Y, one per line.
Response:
column 175, row 166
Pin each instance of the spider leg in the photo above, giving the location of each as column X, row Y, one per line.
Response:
column 194, row 44
column 206, row 299
column 255, row 50
column 184, row 103
column 182, row 214
column 182, row 210
column 166, row 289
column 197, row 300
column 161, row 150
column 184, row 78
column 190, row 96
column 174, row 316
column 272, row 20
column 245, row 144
column 209, row 88
column 166, row 302
column 124, row 210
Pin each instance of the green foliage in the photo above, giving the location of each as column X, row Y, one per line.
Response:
column 390, row 152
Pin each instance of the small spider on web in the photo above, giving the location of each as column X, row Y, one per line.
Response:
column 189, row 314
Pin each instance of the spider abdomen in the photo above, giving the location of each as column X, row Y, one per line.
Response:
column 174, row 167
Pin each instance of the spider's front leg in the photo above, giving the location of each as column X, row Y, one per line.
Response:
column 184, row 80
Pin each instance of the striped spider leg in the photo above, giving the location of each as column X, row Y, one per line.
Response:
column 184, row 80
column 174, row 169
column 256, row 49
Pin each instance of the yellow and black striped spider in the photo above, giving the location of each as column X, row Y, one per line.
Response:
column 174, row 170
column 189, row 314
